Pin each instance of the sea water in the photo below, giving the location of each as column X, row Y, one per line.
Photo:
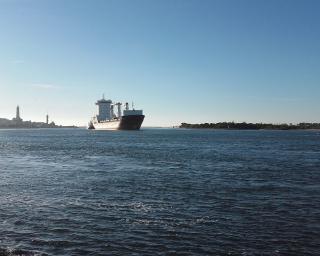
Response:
column 159, row 192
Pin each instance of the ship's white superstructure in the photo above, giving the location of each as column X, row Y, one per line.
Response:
column 104, row 109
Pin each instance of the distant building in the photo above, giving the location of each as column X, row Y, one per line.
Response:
column 17, row 119
column 17, row 122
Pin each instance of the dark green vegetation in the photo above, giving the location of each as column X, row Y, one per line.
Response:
column 252, row 126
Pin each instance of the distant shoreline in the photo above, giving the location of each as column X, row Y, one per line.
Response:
column 251, row 126
column 18, row 123
column 22, row 128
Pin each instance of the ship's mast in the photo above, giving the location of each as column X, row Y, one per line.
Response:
column 118, row 104
column 112, row 111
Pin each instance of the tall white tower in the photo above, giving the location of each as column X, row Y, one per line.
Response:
column 18, row 118
column 104, row 109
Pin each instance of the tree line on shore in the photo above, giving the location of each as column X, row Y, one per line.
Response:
column 252, row 126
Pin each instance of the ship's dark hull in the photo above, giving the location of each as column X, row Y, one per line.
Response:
column 132, row 122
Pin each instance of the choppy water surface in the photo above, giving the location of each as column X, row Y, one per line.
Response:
column 159, row 192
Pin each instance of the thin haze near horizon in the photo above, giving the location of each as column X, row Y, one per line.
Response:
column 180, row 61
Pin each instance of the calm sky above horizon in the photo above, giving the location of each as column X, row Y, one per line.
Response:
column 179, row 60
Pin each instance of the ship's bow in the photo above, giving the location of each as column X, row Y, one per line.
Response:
column 131, row 122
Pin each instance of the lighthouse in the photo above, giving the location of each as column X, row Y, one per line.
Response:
column 18, row 118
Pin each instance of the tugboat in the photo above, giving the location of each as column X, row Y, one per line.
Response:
column 106, row 119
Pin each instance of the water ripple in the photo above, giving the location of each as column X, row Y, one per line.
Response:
column 159, row 192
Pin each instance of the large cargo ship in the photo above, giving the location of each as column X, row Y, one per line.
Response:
column 106, row 119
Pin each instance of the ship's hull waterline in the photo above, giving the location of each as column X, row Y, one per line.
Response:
column 131, row 122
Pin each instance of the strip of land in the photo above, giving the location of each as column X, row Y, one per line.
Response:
column 252, row 126
column 16, row 124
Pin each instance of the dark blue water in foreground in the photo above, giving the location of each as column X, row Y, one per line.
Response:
column 159, row 192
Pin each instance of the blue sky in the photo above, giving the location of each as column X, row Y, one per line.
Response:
column 178, row 60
